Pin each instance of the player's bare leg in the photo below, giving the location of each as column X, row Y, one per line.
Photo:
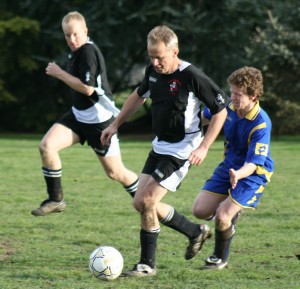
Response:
column 115, row 170
column 57, row 138
column 148, row 195
column 224, row 232
column 206, row 204
column 147, row 202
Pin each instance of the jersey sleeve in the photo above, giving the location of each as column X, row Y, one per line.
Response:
column 208, row 92
column 143, row 89
column 89, row 66
column 259, row 145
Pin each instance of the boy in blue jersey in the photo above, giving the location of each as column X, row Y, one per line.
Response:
column 240, row 179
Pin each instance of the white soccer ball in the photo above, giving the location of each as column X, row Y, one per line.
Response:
column 106, row 263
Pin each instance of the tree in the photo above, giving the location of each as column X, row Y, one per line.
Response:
column 276, row 49
column 217, row 36
column 16, row 35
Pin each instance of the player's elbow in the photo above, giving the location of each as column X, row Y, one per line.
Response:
column 88, row 90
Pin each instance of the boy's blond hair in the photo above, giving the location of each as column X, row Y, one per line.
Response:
column 73, row 15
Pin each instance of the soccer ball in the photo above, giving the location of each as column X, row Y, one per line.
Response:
column 106, row 263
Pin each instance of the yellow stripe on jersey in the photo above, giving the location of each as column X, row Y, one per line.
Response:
column 262, row 125
column 262, row 171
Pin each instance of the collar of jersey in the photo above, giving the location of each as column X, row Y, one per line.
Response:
column 252, row 113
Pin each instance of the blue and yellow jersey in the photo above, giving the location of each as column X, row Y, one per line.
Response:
column 247, row 140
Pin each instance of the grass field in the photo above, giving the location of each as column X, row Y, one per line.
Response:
column 53, row 251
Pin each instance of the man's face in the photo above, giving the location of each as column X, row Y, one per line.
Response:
column 75, row 34
column 162, row 58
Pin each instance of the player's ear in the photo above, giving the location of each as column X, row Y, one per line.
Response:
column 175, row 51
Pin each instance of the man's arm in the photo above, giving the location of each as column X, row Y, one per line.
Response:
column 131, row 105
column 73, row 82
column 198, row 155
column 204, row 121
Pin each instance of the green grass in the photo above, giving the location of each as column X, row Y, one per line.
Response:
column 53, row 251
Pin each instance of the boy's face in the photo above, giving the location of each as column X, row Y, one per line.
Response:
column 241, row 100
column 75, row 34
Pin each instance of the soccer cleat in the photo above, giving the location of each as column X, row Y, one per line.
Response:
column 196, row 244
column 141, row 270
column 48, row 207
column 214, row 263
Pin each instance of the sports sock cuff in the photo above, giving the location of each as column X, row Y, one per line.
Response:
column 152, row 231
column 169, row 216
column 133, row 187
column 180, row 223
column 52, row 173
column 226, row 234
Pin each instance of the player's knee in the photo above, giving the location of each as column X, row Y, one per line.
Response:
column 200, row 212
column 203, row 215
column 223, row 220
column 143, row 205
column 111, row 175
column 43, row 148
column 196, row 212
column 136, row 205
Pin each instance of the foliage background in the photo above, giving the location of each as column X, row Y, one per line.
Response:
column 216, row 36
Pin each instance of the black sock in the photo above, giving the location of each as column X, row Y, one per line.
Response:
column 148, row 247
column 131, row 189
column 53, row 182
column 181, row 224
column 222, row 242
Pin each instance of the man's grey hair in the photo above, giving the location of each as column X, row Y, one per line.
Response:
column 163, row 34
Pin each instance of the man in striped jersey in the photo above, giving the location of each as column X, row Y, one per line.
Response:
column 178, row 91
column 92, row 111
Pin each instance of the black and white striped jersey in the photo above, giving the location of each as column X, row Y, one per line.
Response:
column 87, row 63
column 177, row 100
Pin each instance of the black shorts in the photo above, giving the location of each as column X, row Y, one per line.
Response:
column 86, row 131
column 167, row 170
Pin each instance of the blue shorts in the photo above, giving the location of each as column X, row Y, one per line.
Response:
column 246, row 193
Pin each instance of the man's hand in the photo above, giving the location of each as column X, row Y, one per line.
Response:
column 246, row 170
column 233, row 178
column 197, row 156
column 73, row 82
column 53, row 70
column 107, row 134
